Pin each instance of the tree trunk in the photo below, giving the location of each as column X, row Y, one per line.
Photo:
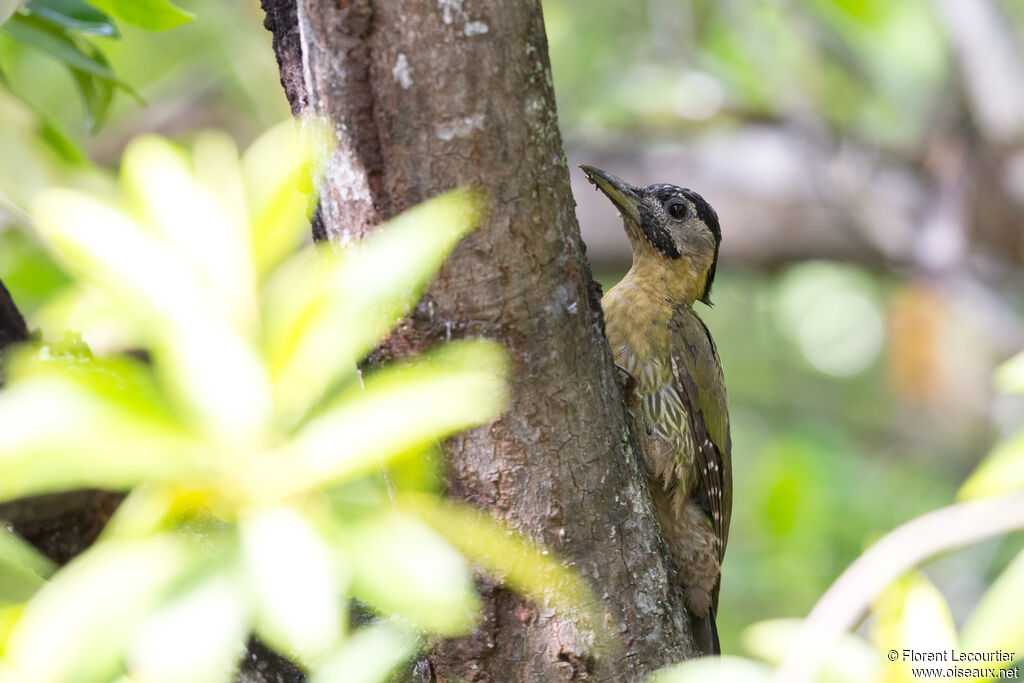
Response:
column 426, row 97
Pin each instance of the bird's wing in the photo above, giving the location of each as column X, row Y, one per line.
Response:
column 698, row 375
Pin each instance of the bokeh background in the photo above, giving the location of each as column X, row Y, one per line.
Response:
column 866, row 158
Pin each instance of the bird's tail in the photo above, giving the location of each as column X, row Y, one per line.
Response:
column 705, row 633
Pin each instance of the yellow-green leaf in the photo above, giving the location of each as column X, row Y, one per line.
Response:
column 320, row 323
column 403, row 567
column 23, row 569
column 294, row 586
column 152, row 15
column 997, row 623
column 98, row 444
column 1010, row 375
column 714, row 670
column 189, row 220
column 77, row 626
column 102, row 246
column 197, row 636
column 1001, row 472
column 912, row 614
column 400, row 409
column 371, row 655
column 514, row 561
column 281, row 181
column 851, row 660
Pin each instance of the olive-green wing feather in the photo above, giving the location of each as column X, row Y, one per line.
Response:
column 701, row 385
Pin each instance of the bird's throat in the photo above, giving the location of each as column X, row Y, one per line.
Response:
column 671, row 282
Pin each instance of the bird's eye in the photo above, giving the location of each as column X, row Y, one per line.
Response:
column 676, row 209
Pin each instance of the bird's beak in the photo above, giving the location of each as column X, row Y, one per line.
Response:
column 623, row 195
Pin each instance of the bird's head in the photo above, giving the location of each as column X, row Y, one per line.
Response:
column 673, row 232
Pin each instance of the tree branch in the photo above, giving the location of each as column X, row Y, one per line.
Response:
column 898, row 551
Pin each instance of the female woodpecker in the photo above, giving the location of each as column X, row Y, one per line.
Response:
column 675, row 388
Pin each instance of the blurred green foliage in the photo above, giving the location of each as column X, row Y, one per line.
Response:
column 64, row 30
column 270, row 480
column 672, row 65
column 28, row 270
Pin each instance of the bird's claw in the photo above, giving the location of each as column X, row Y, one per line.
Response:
column 625, row 378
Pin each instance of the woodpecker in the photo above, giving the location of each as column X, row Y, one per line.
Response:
column 673, row 379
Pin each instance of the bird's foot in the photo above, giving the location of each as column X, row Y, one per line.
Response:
column 625, row 378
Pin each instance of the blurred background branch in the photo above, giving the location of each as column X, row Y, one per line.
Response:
column 844, row 604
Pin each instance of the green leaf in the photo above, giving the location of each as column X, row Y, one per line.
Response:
column 714, row 670
column 321, row 322
column 50, row 132
column 1010, row 375
column 371, row 655
column 77, row 626
column 281, row 184
column 53, row 134
column 97, row 95
column 997, row 623
column 23, row 569
column 911, row 614
column 90, row 69
column 185, row 216
column 74, row 15
column 97, row 92
column 294, row 584
column 198, row 635
column 152, row 15
column 1001, row 472
column 400, row 409
column 513, row 561
column 47, row 38
column 96, row 446
column 124, row 381
column 403, row 567
column 115, row 431
column 211, row 370
column 852, row 660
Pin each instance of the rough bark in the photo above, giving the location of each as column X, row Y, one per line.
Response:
column 12, row 325
column 426, row 97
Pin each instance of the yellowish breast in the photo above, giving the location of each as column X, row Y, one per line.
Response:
column 636, row 321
